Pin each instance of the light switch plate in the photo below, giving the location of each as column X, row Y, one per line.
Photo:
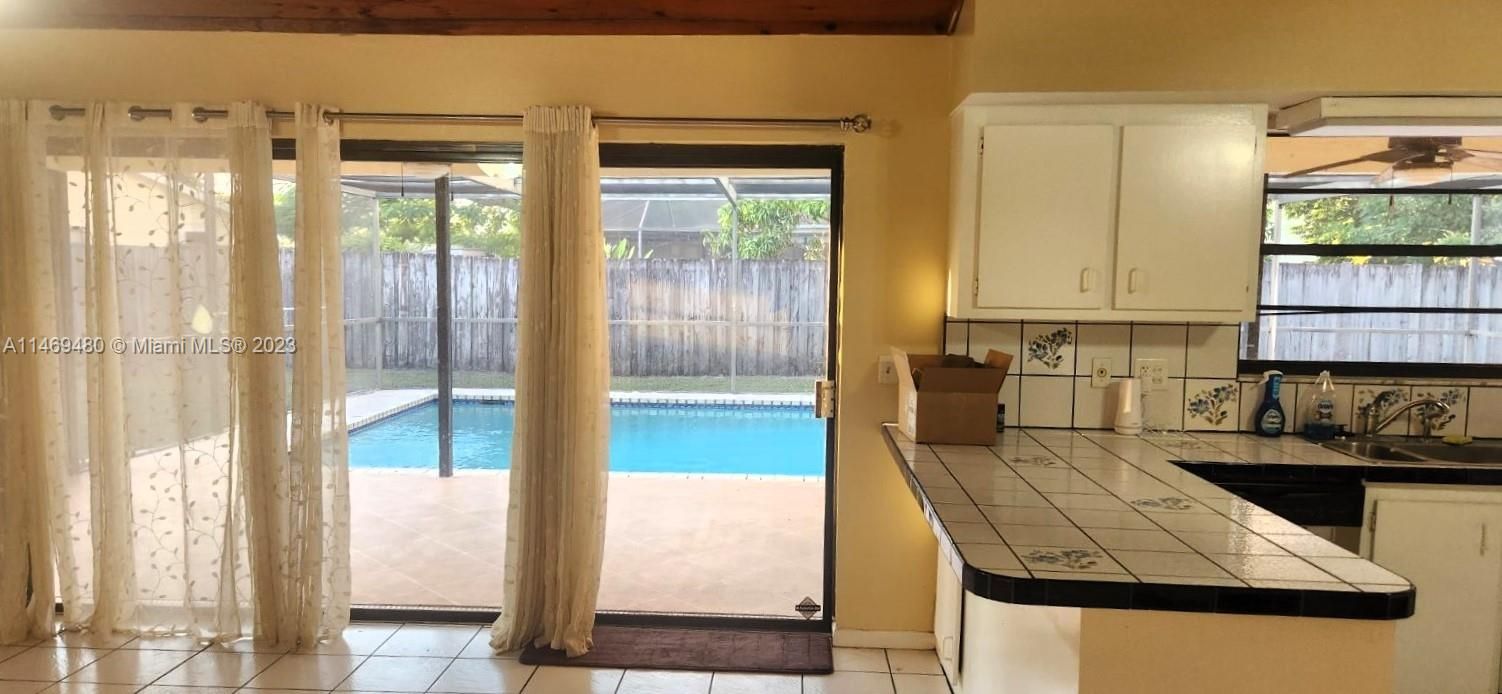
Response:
column 1152, row 372
column 886, row 371
column 1100, row 372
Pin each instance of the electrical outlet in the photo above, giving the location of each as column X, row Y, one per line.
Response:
column 1153, row 373
column 886, row 371
column 1100, row 372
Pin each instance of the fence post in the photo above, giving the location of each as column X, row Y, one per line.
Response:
column 379, row 289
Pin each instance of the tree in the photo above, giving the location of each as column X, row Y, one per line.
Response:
column 1395, row 219
column 410, row 224
column 766, row 228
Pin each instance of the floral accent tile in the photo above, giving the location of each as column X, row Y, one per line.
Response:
column 1049, row 348
column 1452, row 423
column 1067, row 559
column 1167, row 503
column 1033, row 460
column 1385, row 398
column 1211, row 405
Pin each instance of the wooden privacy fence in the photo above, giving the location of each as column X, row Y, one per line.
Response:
column 1439, row 338
column 667, row 317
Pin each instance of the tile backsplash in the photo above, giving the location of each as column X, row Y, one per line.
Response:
column 1050, row 385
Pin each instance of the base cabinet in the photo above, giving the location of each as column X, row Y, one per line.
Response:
column 949, row 618
column 1448, row 542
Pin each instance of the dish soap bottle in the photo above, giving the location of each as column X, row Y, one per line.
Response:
column 1270, row 419
column 1319, row 423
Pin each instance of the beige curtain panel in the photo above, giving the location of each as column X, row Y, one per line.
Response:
column 556, row 521
column 29, row 419
column 316, row 574
column 152, row 457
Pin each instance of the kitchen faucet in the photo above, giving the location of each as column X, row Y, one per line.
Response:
column 1373, row 423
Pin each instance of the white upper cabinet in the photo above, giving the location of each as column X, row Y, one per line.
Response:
column 1106, row 212
column 1045, row 228
column 1186, row 221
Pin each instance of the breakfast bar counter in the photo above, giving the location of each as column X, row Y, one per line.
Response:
column 1070, row 560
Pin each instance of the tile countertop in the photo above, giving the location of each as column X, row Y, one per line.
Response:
column 1096, row 519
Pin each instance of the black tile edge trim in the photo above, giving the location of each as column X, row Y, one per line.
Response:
column 1161, row 597
column 1220, row 472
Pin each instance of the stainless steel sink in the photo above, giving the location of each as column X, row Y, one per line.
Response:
column 1372, row 450
column 1479, row 454
column 1418, row 452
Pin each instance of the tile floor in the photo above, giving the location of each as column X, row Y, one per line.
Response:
column 409, row 658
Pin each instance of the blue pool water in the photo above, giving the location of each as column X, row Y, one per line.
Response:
column 746, row 440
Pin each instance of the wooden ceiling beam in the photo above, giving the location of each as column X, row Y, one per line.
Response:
column 498, row 17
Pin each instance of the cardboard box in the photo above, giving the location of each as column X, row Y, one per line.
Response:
column 949, row 399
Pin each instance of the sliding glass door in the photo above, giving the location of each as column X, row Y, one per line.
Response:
column 720, row 272
column 720, row 276
column 430, row 259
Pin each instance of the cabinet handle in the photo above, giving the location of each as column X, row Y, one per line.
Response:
column 1136, row 281
column 1087, row 280
column 1483, row 540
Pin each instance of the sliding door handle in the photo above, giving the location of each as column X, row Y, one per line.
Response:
column 1136, row 280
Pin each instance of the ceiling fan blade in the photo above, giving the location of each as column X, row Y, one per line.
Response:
column 1459, row 153
column 1390, row 174
column 1491, row 163
column 1394, row 155
column 1326, row 167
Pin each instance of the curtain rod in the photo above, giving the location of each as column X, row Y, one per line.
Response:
column 857, row 123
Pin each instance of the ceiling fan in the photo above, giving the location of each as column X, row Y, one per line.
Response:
column 1417, row 161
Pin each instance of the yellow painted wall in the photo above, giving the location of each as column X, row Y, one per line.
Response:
column 896, row 185
column 1278, row 47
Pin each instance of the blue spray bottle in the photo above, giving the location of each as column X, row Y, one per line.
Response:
column 1270, row 419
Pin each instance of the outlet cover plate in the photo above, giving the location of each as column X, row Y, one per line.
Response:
column 1152, row 372
column 1100, row 372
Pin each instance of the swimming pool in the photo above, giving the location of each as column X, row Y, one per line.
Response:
column 738, row 439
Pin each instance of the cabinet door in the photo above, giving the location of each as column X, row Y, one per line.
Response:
column 949, row 606
column 1047, row 197
column 1451, row 552
column 1189, row 217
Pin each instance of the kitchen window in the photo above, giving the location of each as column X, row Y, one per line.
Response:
column 1372, row 274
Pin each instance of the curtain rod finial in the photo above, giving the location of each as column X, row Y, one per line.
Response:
column 858, row 123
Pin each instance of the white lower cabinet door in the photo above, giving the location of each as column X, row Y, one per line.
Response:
column 949, row 606
column 1451, row 549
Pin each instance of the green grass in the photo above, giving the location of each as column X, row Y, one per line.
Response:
column 365, row 379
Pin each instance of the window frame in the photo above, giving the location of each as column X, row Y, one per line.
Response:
column 1366, row 368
